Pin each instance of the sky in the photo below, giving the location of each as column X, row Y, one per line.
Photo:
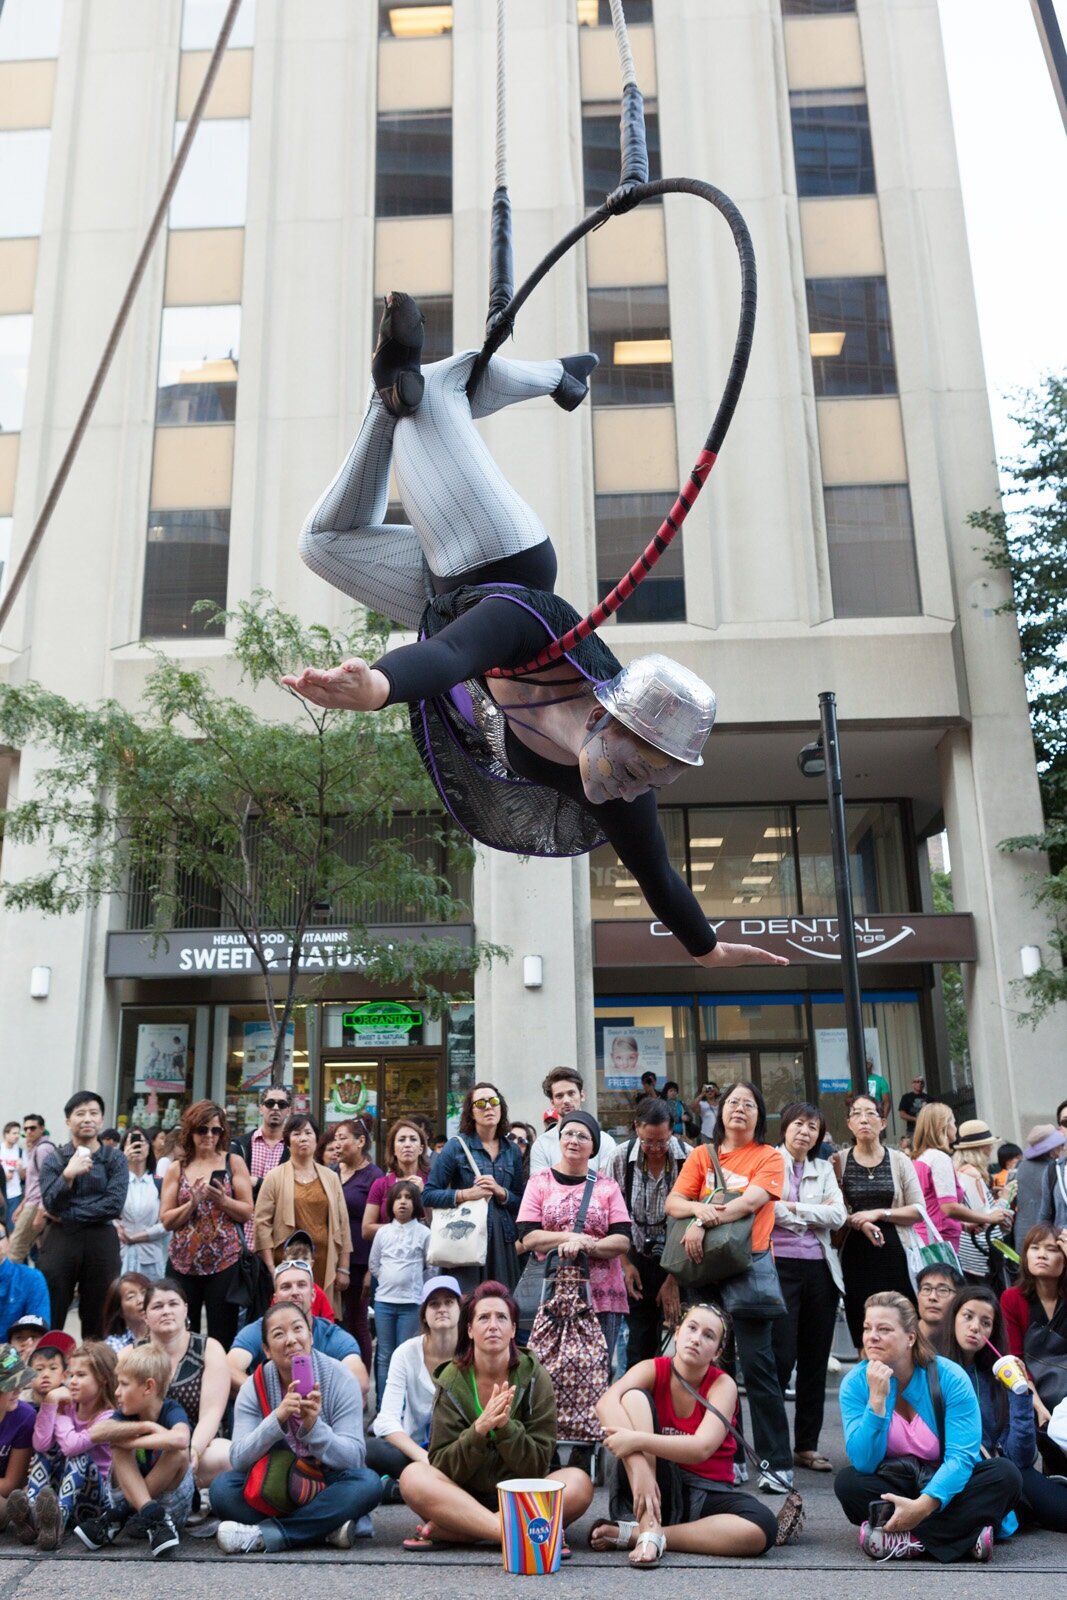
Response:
column 1012, row 149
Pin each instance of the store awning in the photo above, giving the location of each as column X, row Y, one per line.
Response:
column 806, row 941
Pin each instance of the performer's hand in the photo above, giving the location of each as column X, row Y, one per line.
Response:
column 740, row 955
column 353, row 686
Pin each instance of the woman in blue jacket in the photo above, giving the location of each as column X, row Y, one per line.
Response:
column 913, row 1432
column 483, row 1125
column 971, row 1333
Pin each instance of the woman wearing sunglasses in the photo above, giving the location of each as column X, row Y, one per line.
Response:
column 206, row 1200
column 483, row 1120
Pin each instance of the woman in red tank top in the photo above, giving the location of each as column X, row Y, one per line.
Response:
column 674, row 1473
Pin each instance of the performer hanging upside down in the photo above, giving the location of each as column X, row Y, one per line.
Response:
column 551, row 763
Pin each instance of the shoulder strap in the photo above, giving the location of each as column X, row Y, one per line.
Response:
column 590, row 1185
column 261, row 1388
column 474, row 1167
column 738, row 1438
column 719, row 1179
column 629, row 1183
column 937, row 1400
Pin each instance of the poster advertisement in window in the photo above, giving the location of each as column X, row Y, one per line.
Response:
column 259, row 1053
column 162, row 1056
column 631, row 1052
column 831, row 1055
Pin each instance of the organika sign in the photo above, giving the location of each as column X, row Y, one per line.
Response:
column 205, row 953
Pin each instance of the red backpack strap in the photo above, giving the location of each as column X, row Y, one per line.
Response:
column 261, row 1389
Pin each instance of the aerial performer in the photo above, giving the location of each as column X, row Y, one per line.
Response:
column 553, row 761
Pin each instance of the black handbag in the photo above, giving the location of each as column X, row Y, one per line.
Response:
column 1045, row 1355
column 539, row 1276
column 755, row 1292
column 727, row 1248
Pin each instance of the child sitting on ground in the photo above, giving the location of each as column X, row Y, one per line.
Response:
column 17, row 1418
column 151, row 1484
column 69, row 1470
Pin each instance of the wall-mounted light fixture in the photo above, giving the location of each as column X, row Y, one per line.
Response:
column 1030, row 960
column 533, row 972
column 40, row 982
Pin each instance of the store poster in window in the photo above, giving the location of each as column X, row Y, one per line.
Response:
column 628, row 1052
column 162, row 1058
column 460, row 1063
column 352, row 1093
column 259, row 1056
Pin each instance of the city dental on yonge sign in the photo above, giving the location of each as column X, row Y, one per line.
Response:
column 806, row 941
column 205, row 953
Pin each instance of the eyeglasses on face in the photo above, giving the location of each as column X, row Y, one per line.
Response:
column 939, row 1291
column 518, row 1138
column 214, row 1130
column 486, row 1102
column 654, row 1144
column 741, row 1105
column 276, row 1105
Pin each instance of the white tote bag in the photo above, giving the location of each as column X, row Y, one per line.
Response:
column 459, row 1235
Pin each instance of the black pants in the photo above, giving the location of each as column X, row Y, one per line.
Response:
column 766, row 1404
column 384, row 1458
column 644, row 1318
column 811, row 1296
column 210, row 1293
column 1043, row 1501
column 85, row 1259
column 950, row 1533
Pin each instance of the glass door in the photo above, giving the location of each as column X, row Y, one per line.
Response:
column 350, row 1088
column 780, row 1075
column 381, row 1088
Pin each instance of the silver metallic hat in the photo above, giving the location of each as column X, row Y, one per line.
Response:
column 663, row 703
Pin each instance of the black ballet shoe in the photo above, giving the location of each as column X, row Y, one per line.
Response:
column 397, row 355
column 573, row 387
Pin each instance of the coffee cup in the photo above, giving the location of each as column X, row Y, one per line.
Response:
column 1009, row 1369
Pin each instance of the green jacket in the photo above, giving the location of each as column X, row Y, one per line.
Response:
column 523, row 1449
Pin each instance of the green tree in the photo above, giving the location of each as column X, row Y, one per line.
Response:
column 959, row 1049
column 1028, row 540
column 264, row 823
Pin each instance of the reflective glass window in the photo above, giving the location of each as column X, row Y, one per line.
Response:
column 597, row 13
column 816, row 8
column 6, row 525
column 741, row 861
column 23, row 175
column 871, row 545
column 212, row 190
column 876, row 854
column 198, row 361
column 851, row 345
column 600, row 151
column 413, row 19
column 186, row 560
column 29, row 29
column 615, row 892
column 15, row 334
column 414, row 165
column 630, row 330
column 624, row 525
column 661, row 1027
column 202, row 19
column 832, row 142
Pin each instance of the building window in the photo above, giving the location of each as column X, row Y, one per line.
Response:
column 661, row 1026
column 629, row 329
column 414, row 165
column 6, row 525
column 29, row 30
column 624, row 525
column 816, row 8
column 202, row 19
column 23, row 175
column 414, row 19
column 832, row 142
column 198, row 361
column 212, row 190
column 600, row 151
column 597, row 13
column 851, row 346
column 875, row 835
column 186, row 560
column 437, row 342
column 871, row 543
column 15, row 334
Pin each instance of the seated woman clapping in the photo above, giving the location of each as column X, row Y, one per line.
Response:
column 322, row 1428
column 494, row 1417
column 674, row 1485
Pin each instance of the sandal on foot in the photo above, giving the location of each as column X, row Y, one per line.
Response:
column 420, row 1539
column 658, row 1541
column 621, row 1541
column 813, row 1460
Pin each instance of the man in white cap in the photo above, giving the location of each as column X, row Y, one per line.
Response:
column 551, row 763
column 294, row 1281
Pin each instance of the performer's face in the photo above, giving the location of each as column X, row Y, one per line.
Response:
column 616, row 765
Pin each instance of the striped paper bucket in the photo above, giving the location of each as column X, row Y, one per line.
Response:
column 531, row 1524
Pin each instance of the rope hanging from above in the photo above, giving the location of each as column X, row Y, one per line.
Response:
column 501, row 262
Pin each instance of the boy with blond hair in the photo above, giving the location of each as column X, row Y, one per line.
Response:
column 151, row 1484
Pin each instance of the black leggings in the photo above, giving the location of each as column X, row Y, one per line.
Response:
column 989, row 1494
column 209, row 1293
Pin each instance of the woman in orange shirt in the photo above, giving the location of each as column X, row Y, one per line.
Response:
column 755, row 1169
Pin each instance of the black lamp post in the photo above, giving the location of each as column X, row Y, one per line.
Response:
column 824, row 756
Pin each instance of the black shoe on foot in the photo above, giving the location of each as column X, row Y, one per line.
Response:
column 96, row 1533
column 398, row 355
column 573, row 387
column 20, row 1517
column 162, row 1534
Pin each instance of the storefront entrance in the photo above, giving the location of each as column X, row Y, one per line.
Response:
column 781, row 1075
column 382, row 1087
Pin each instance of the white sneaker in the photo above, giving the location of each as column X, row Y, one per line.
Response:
column 239, row 1538
column 775, row 1482
column 344, row 1537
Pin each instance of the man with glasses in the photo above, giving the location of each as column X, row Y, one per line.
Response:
column 29, row 1218
column 83, row 1190
column 263, row 1148
column 646, row 1170
column 936, row 1285
column 564, row 1089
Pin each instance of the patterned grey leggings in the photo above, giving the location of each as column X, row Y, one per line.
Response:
column 464, row 513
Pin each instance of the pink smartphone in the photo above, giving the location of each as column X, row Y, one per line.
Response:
column 303, row 1373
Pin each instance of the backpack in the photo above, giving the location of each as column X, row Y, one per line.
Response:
column 569, row 1342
